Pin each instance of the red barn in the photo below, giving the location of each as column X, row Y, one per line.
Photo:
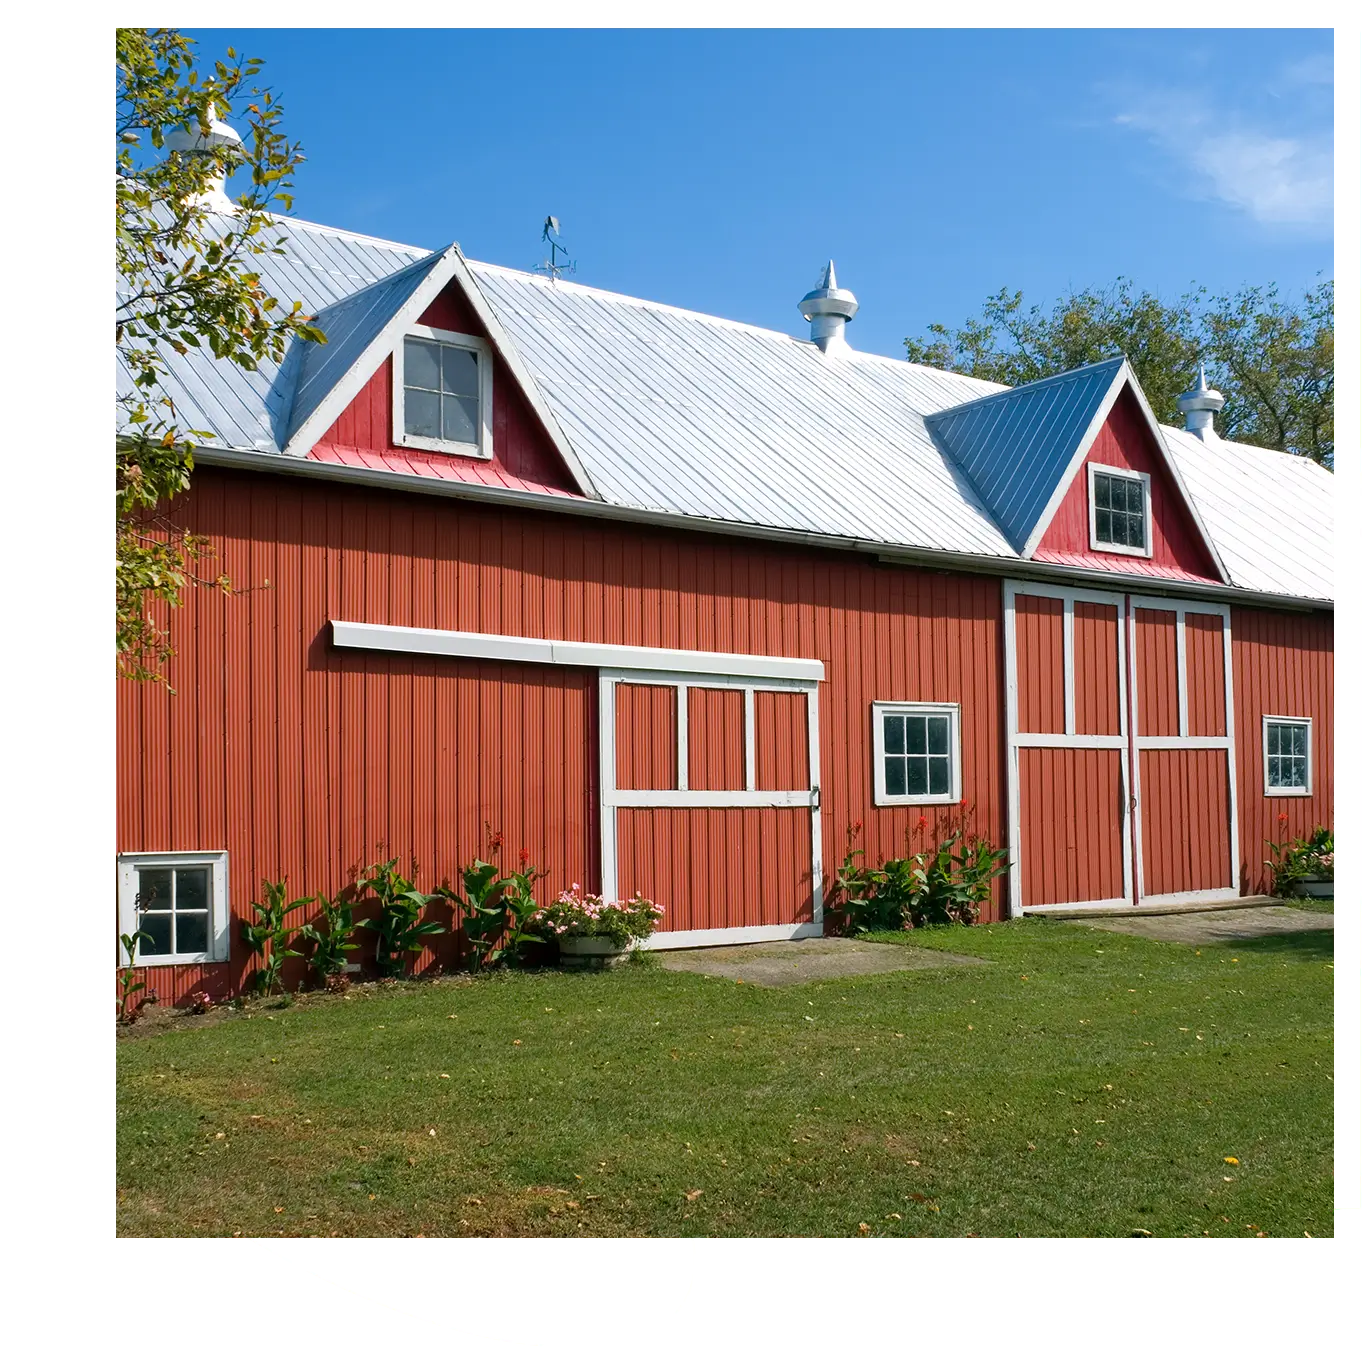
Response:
column 673, row 601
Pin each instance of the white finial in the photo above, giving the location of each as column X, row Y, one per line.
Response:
column 828, row 310
column 214, row 196
column 1199, row 406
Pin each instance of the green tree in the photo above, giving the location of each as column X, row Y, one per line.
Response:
column 1273, row 360
column 185, row 281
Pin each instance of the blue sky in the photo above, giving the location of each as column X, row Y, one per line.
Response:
column 719, row 170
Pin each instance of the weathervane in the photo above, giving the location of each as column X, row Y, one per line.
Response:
column 551, row 266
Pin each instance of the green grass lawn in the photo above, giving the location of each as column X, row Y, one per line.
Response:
column 1080, row 1083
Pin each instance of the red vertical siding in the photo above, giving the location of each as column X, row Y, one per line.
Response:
column 1097, row 686
column 645, row 737
column 1125, row 442
column 714, row 725
column 1283, row 666
column 719, row 868
column 1156, row 670
column 1184, row 820
column 309, row 758
column 1071, row 831
column 1040, row 655
column 1204, row 635
column 782, row 741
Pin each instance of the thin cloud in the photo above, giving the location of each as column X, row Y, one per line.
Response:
column 1275, row 176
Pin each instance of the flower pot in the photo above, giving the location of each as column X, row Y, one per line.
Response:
column 590, row 952
column 1313, row 887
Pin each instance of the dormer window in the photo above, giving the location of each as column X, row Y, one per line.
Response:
column 1118, row 511
column 442, row 393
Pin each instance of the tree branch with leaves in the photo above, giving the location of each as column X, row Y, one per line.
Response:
column 185, row 283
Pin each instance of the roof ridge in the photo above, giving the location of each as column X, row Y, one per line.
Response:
column 1048, row 380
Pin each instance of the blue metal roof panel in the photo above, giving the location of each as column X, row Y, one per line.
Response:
column 1015, row 446
column 350, row 326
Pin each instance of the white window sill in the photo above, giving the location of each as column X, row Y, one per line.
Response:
column 1276, row 792
column 1120, row 549
column 917, row 800
column 457, row 447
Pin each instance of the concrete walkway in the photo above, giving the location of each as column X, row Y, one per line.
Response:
column 779, row 964
column 1226, row 924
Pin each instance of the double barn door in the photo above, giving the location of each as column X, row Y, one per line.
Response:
column 1120, row 748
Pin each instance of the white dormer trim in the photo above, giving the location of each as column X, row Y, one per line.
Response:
column 1125, row 378
column 452, row 267
column 483, row 448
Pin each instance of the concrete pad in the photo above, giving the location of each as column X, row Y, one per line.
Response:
column 779, row 964
column 1201, row 928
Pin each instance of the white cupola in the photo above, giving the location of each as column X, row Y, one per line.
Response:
column 1199, row 406
column 214, row 195
column 828, row 310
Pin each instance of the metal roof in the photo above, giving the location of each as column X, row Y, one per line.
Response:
column 691, row 415
column 1017, row 445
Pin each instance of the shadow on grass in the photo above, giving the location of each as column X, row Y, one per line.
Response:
column 1300, row 945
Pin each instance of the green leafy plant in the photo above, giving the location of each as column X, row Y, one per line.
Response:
column 331, row 935
column 398, row 923
column 268, row 934
column 1300, row 858
column 497, row 912
column 577, row 913
column 129, row 984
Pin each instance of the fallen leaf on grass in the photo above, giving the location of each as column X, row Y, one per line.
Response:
column 1231, row 1160
column 693, row 1194
column 928, row 1203
column 1140, row 1231
column 864, row 1228
column 279, row 1209
column 473, row 1202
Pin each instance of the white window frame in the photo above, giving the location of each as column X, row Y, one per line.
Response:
column 1309, row 788
column 219, row 912
column 879, row 710
column 1124, row 548
column 483, row 448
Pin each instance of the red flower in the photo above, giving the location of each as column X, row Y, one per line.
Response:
column 857, row 826
column 524, row 855
column 922, row 821
column 1281, row 818
column 964, row 804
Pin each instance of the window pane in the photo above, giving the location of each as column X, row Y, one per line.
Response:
column 1274, row 771
column 893, row 777
column 917, row 776
column 461, row 370
column 1102, row 485
column 1298, row 740
column 156, row 934
column 1274, row 737
column 1118, row 528
column 940, row 776
column 917, row 734
column 893, row 734
column 461, row 420
column 153, row 889
column 191, row 933
column 937, row 734
column 1135, row 527
column 423, row 414
column 1104, row 525
column 420, row 364
column 1298, row 777
column 191, row 888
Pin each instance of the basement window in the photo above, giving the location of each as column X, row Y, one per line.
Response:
column 1287, row 756
column 176, row 904
column 917, row 753
column 1118, row 509
column 442, row 393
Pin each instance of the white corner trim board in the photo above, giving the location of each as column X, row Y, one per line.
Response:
column 581, row 654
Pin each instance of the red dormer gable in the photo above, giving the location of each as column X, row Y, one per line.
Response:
column 1126, row 441
column 523, row 455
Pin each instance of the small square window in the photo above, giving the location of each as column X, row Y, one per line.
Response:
column 917, row 752
column 442, row 393
column 1119, row 508
column 1287, row 756
column 176, row 905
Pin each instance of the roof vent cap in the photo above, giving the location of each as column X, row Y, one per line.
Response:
column 828, row 310
column 214, row 196
column 1199, row 406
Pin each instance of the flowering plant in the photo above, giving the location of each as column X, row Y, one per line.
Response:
column 577, row 913
column 1301, row 858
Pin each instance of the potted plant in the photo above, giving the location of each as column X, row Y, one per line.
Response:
column 594, row 932
column 1304, row 868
